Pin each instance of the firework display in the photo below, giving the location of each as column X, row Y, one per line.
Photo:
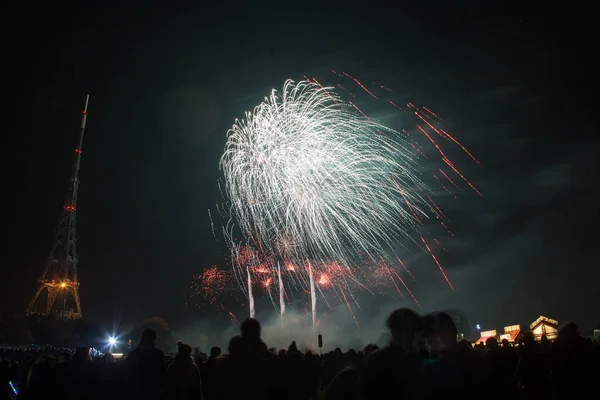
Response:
column 210, row 284
column 321, row 197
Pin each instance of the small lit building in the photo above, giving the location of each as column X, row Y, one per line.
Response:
column 544, row 326
column 511, row 333
column 486, row 335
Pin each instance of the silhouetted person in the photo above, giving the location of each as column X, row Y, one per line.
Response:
column 108, row 379
column 509, row 357
column 81, row 376
column 236, row 345
column 345, row 385
column 293, row 365
column 146, row 368
column 332, row 365
column 450, row 372
column 215, row 352
column 533, row 369
column 183, row 376
column 313, row 370
column 255, row 371
column 210, row 374
column 293, row 348
column 198, row 357
column 497, row 375
column 545, row 342
column 571, row 361
column 393, row 371
column 42, row 379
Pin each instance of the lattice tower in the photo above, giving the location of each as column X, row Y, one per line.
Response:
column 59, row 278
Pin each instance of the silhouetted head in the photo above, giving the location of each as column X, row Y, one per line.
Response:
column 148, row 336
column 505, row 343
column 184, row 350
column 441, row 330
column 215, row 351
column 464, row 345
column 568, row 331
column 404, row 324
column 236, row 344
column 370, row 348
column 491, row 343
column 528, row 338
column 250, row 329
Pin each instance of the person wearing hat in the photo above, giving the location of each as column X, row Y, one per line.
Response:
column 183, row 376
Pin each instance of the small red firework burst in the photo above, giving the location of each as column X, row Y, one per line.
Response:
column 209, row 284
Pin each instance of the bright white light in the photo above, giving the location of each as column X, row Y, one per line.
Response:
column 112, row 341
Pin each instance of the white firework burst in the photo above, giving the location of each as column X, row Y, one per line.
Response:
column 307, row 170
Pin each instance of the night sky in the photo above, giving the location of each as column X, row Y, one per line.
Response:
column 166, row 83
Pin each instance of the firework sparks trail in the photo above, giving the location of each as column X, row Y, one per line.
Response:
column 311, row 179
column 250, row 296
column 426, row 116
column 432, row 113
column 406, row 269
column 350, row 309
column 281, row 291
column 360, row 84
column 448, row 136
column 313, row 297
column 437, row 263
column 449, row 179
column 212, row 225
column 447, row 161
column 407, row 289
column 387, row 269
column 267, row 286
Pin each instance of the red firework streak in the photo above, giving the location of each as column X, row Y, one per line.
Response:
column 406, row 269
column 437, row 263
column 393, row 280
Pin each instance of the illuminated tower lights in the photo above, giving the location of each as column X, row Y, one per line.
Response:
column 59, row 278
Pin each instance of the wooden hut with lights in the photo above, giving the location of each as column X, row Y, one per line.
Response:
column 544, row 326
column 486, row 335
column 511, row 333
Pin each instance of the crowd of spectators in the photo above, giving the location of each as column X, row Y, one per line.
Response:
column 424, row 360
